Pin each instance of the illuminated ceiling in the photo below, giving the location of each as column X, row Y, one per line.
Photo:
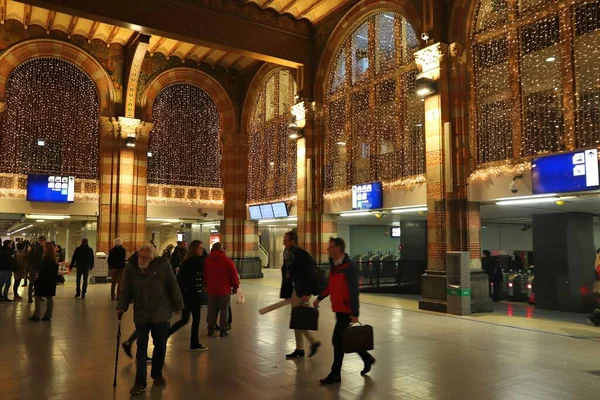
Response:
column 313, row 10
column 91, row 30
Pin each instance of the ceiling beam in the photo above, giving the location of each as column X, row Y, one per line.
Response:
column 235, row 62
column 251, row 65
column 200, row 23
column 112, row 35
column 174, row 49
column 27, row 16
column 71, row 27
column 220, row 59
column 93, row 31
column 157, row 45
column 50, row 21
column 203, row 57
column 267, row 3
column 308, row 9
column 287, row 6
column 189, row 53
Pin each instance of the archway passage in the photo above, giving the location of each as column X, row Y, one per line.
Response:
column 184, row 144
column 50, row 123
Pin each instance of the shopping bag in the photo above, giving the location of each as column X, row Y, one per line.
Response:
column 239, row 296
column 305, row 318
column 358, row 339
column 596, row 288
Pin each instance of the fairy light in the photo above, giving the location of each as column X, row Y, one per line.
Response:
column 536, row 33
column 271, row 153
column 374, row 120
column 50, row 101
column 185, row 140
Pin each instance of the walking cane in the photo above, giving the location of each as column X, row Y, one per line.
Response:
column 117, row 353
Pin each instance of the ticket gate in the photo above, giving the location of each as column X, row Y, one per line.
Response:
column 517, row 286
column 530, row 287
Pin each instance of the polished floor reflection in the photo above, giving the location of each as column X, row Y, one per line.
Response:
column 419, row 355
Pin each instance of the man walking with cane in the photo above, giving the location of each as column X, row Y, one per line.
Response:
column 151, row 285
column 343, row 289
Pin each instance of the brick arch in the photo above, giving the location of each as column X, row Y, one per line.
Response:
column 256, row 86
column 35, row 48
column 351, row 20
column 462, row 20
column 203, row 81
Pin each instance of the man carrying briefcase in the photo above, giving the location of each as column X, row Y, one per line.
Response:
column 343, row 289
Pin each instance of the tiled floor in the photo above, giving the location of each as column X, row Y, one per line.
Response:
column 419, row 355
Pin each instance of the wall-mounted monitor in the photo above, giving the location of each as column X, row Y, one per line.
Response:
column 254, row 213
column 566, row 172
column 280, row 210
column 266, row 211
column 50, row 188
column 395, row 231
column 367, row 196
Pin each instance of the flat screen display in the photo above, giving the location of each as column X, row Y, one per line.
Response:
column 566, row 172
column 367, row 196
column 266, row 211
column 280, row 210
column 395, row 231
column 255, row 212
column 50, row 188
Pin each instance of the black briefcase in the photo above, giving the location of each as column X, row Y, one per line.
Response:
column 305, row 318
column 358, row 339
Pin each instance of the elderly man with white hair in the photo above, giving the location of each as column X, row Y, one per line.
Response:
column 116, row 263
column 152, row 287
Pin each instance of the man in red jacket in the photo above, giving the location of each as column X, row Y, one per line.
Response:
column 343, row 289
column 220, row 277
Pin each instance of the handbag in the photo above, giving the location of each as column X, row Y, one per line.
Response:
column 305, row 318
column 358, row 339
column 596, row 288
column 240, row 298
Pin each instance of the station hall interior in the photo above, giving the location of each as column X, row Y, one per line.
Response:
column 422, row 132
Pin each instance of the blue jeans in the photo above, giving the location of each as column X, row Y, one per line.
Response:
column 160, row 333
column 5, row 279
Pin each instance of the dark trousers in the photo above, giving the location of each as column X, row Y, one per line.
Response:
column 160, row 333
column 134, row 336
column 5, row 280
column 342, row 322
column 82, row 271
column 16, row 288
column 192, row 308
column 31, row 286
column 229, row 319
column 220, row 303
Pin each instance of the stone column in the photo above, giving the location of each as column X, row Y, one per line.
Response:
column 123, row 181
column 239, row 236
column 453, row 223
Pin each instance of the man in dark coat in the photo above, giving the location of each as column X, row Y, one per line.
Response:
column 37, row 253
column 297, row 284
column 116, row 263
column 6, row 269
column 492, row 268
column 83, row 260
column 178, row 256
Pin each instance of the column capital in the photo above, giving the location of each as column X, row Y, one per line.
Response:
column 430, row 59
column 129, row 125
column 2, row 106
column 144, row 128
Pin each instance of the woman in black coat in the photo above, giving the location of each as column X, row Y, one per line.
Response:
column 45, row 283
column 190, row 278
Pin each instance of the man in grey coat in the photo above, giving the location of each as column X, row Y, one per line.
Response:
column 152, row 287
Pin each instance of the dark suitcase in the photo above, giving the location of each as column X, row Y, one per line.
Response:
column 358, row 339
column 305, row 318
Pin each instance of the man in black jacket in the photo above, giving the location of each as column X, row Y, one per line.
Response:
column 297, row 284
column 83, row 260
column 116, row 263
column 178, row 256
column 6, row 269
column 37, row 253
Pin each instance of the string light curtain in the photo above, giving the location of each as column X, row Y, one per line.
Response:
column 184, row 142
column 50, row 124
column 271, row 153
column 374, row 120
column 522, row 52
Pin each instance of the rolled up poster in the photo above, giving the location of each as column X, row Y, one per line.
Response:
column 275, row 306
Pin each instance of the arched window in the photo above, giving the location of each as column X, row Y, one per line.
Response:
column 184, row 143
column 271, row 153
column 537, row 77
column 374, row 120
column 50, row 124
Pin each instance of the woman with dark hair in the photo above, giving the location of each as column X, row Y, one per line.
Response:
column 191, row 277
column 45, row 282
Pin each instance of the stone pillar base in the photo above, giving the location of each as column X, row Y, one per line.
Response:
column 480, row 293
column 248, row 268
column 433, row 291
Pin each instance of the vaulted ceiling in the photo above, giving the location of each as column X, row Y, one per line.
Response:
column 91, row 30
column 313, row 10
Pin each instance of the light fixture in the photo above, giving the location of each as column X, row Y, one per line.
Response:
column 292, row 218
column 130, row 141
column 166, row 224
column 172, row 221
column 295, row 136
column 265, row 221
column 355, row 214
column 291, row 224
column 551, row 59
column 403, row 210
column 341, row 143
column 535, row 200
column 425, row 87
column 149, row 154
column 41, row 142
column 40, row 220
column 560, row 202
column 19, row 230
column 41, row 216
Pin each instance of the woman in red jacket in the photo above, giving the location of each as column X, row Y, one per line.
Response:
column 220, row 277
